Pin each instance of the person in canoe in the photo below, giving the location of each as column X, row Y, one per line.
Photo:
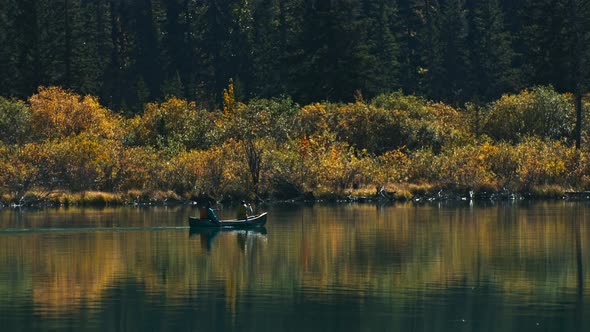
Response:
column 207, row 212
column 244, row 210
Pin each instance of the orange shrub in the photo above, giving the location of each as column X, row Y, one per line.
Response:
column 196, row 171
column 467, row 166
column 541, row 163
column 81, row 162
column 18, row 173
column 391, row 167
column 56, row 112
column 315, row 118
column 140, row 168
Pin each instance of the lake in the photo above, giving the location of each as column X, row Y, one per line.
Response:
column 506, row 266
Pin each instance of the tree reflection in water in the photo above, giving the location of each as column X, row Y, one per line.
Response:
column 245, row 237
column 348, row 266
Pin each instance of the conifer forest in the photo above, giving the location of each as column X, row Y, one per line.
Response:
column 279, row 99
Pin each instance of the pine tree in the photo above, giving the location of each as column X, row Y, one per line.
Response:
column 96, row 48
column 27, row 49
column 431, row 71
column 242, row 45
column 452, row 84
column 337, row 58
column 146, row 51
column 218, row 59
column 113, row 77
column 179, row 46
column 83, row 39
column 312, row 66
column 9, row 50
column 409, row 36
column 173, row 87
column 545, row 41
column 192, row 61
column 578, row 20
column 266, row 50
column 491, row 55
column 383, row 49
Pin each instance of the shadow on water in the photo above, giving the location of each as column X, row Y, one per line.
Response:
column 208, row 235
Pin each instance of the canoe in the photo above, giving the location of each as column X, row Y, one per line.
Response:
column 253, row 221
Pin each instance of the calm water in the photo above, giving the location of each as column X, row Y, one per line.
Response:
column 360, row 267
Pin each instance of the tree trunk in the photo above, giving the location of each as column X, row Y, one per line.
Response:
column 578, row 101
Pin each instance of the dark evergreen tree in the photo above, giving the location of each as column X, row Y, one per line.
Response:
column 174, row 57
column 9, row 50
column 146, row 52
column 129, row 52
column 86, row 45
column 266, row 53
column 242, row 48
column 383, row 50
column 411, row 23
column 194, row 66
column 339, row 58
column 578, row 27
column 27, row 49
column 430, row 69
column 217, row 57
column 113, row 76
column 491, row 53
column 545, row 40
column 450, row 83
column 292, row 22
column 313, row 64
column 96, row 48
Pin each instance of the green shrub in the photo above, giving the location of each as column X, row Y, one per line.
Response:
column 541, row 112
column 15, row 117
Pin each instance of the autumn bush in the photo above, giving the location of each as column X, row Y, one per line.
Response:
column 61, row 142
column 197, row 171
column 370, row 128
column 174, row 123
column 140, row 168
column 15, row 121
column 467, row 167
column 56, row 113
column 390, row 167
column 423, row 124
column 541, row 163
column 541, row 112
column 287, row 174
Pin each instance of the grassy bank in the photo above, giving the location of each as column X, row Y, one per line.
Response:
column 397, row 193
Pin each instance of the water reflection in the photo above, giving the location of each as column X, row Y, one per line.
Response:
column 245, row 237
column 497, row 267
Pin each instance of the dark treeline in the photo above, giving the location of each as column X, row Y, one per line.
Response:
column 128, row 52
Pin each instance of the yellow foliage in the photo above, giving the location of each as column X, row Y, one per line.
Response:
column 339, row 167
column 541, row 162
column 229, row 99
column 81, row 145
column 56, row 112
column 197, row 171
column 140, row 168
column 392, row 167
column 313, row 118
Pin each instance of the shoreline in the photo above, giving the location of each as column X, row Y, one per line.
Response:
column 134, row 198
